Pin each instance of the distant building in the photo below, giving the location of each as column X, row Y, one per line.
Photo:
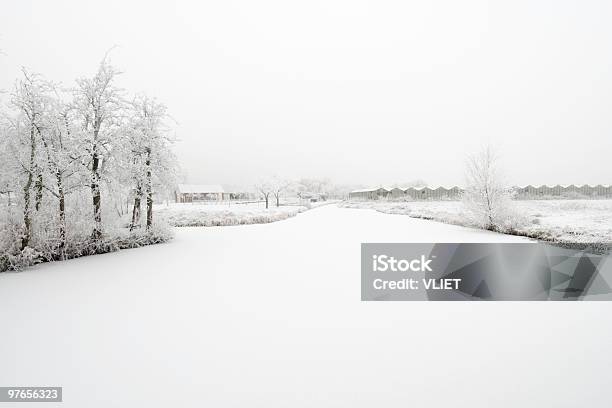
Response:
column 370, row 193
column 188, row 193
column 439, row 193
column 312, row 197
column 563, row 191
column 396, row 192
column 407, row 193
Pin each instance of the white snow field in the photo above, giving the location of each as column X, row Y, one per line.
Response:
column 270, row 316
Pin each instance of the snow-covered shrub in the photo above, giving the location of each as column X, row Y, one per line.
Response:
column 179, row 218
column 138, row 238
column 27, row 257
column 487, row 200
column 85, row 245
column 46, row 243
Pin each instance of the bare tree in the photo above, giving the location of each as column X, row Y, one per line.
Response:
column 486, row 197
column 98, row 102
column 278, row 186
column 264, row 188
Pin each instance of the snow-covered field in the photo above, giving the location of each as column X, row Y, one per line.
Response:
column 567, row 221
column 270, row 316
column 228, row 213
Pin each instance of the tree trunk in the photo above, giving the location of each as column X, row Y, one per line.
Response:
column 38, row 185
column 136, row 211
column 266, row 202
column 278, row 200
column 62, row 217
column 491, row 226
column 27, row 222
column 149, row 191
column 95, row 192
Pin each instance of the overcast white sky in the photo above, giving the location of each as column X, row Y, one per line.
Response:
column 364, row 92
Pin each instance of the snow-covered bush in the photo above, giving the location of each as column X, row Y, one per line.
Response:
column 190, row 216
column 487, row 200
column 45, row 247
column 25, row 258
column 157, row 234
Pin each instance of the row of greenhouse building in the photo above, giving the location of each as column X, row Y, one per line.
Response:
column 454, row 192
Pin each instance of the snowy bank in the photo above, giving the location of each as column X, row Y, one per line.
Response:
column 76, row 248
column 570, row 223
column 166, row 216
column 228, row 214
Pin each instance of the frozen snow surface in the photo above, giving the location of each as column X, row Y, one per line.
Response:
column 569, row 221
column 270, row 316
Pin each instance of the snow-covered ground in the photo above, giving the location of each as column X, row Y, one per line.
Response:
column 570, row 221
column 227, row 213
column 270, row 316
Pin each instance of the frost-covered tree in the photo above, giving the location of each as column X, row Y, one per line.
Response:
column 9, row 167
column 278, row 186
column 149, row 154
column 98, row 103
column 59, row 143
column 486, row 197
column 30, row 99
column 58, row 158
column 320, row 186
column 264, row 188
